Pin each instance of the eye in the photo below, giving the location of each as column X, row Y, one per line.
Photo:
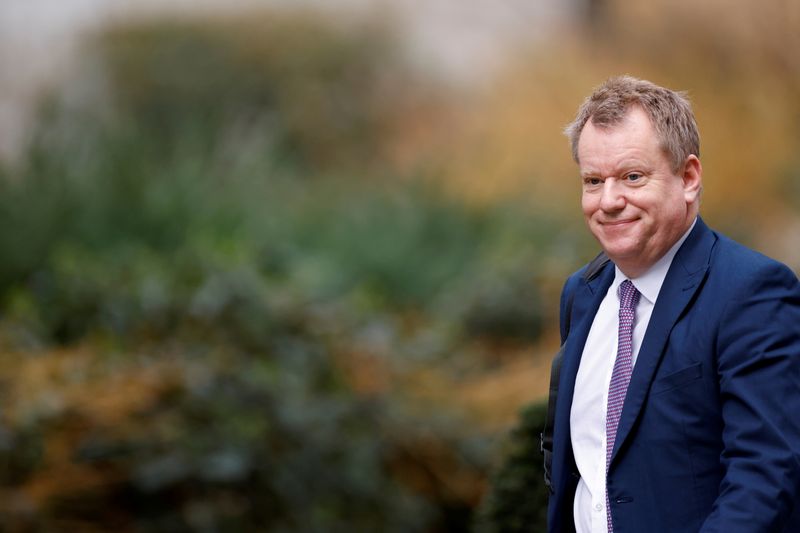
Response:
column 592, row 181
column 633, row 176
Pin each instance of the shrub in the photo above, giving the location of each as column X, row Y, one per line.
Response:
column 517, row 499
column 192, row 269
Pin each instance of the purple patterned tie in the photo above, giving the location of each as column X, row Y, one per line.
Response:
column 621, row 375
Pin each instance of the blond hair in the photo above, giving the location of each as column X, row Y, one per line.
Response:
column 669, row 111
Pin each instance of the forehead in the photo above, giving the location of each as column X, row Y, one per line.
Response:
column 633, row 137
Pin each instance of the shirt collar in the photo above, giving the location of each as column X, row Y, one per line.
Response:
column 649, row 283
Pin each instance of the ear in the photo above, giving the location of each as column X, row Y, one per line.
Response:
column 692, row 179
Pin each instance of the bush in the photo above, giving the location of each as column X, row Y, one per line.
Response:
column 517, row 499
column 191, row 288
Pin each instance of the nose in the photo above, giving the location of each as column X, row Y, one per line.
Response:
column 612, row 197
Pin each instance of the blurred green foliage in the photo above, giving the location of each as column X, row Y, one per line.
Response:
column 314, row 94
column 517, row 499
column 217, row 231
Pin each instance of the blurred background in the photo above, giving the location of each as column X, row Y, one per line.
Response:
column 295, row 265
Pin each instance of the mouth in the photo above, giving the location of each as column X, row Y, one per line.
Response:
column 617, row 223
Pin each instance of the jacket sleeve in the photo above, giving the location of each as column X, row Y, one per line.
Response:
column 758, row 356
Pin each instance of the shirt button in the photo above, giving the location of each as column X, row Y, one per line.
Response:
column 598, row 507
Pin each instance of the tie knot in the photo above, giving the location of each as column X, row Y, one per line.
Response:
column 628, row 295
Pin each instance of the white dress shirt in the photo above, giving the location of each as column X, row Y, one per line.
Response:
column 590, row 399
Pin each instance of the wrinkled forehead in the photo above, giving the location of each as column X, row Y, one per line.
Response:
column 634, row 138
column 633, row 122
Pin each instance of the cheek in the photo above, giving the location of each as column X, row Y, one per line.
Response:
column 588, row 205
column 650, row 206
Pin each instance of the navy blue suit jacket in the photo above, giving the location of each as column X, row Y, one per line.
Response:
column 709, row 437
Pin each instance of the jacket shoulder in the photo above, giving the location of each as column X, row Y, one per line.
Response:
column 737, row 262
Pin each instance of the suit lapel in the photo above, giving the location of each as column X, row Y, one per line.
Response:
column 685, row 275
column 588, row 295
column 587, row 301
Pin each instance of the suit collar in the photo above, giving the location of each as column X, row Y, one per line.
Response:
column 600, row 282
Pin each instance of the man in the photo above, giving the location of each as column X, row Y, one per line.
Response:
column 679, row 396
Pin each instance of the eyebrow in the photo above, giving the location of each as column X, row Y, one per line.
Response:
column 625, row 166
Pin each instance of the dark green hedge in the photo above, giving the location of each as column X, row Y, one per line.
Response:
column 517, row 498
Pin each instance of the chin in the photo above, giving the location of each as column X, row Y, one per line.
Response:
column 619, row 252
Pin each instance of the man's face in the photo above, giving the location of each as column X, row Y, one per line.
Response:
column 633, row 202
